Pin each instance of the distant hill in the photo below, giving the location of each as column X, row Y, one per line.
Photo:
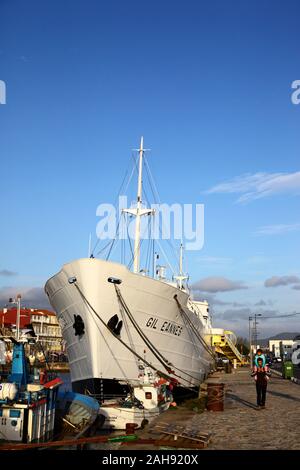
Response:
column 265, row 342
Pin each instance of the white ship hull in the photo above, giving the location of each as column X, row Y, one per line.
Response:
column 97, row 354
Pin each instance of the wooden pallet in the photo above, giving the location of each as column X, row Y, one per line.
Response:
column 183, row 434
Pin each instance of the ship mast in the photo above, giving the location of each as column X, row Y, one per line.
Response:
column 181, row 276
column 138, row 212
column 137, row 238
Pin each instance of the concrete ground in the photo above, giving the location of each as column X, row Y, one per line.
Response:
column 241, row 425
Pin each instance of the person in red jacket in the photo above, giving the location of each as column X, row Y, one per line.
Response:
column 261, row 374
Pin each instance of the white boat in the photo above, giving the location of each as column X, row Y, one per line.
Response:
column 113, row 319
column 146, row 401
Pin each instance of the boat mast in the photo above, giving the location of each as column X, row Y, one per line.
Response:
column 137, row 238
column 180, row 259
column 181, row 276
column 138, row 212
column 18, row 315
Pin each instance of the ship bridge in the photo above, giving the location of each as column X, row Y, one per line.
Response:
column 224, row 342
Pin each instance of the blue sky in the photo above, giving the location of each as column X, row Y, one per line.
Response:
column 208, row 84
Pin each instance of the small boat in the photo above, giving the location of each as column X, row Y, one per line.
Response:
column 77, row 413
column 148, row 398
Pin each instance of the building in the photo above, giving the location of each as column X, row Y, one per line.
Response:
column 296, row 351
column 47, row 330
column 44, row 323
column 282, row 348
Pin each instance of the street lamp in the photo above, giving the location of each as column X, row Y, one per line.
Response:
column 267, row 318
column 254, row 336
column 18, row 303
column 250, row 341
column 255, row 327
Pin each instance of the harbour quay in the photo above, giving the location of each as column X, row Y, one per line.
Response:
column 241, row 425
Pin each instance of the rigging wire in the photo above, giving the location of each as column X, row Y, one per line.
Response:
column 118, row 194
column 147, row 267
column 204, row 344
column 155, row 193
column 138, row 248
column 121, row 189
column 129, row 240
column 166, row 258
column 160, row 373
column 157, row 200
column 165, row 362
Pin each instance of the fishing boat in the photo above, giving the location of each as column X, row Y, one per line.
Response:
column 148, row 398
column 33, row 408
column 113, row 316
column 27, row 402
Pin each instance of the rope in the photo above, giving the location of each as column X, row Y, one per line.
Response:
column 165, row 362
column 196, row 332
column 150, row 345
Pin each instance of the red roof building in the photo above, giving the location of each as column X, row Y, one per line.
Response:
column 44, row 323
column 8, row 316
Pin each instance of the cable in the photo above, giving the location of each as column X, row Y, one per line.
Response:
column 165, row 362
column 118, row 195
column 193, row 328
column 120, row 188
column 153, row 349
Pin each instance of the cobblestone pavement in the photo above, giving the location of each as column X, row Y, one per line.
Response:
column 241, row 426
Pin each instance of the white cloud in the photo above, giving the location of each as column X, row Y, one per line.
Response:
column 259, row 185
column 217, row 284
column 277, row 229
column 7, row 273
column 261, row 303
column 213, row 300
column 33, row 297
column 234, row 315
column 276, row 281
